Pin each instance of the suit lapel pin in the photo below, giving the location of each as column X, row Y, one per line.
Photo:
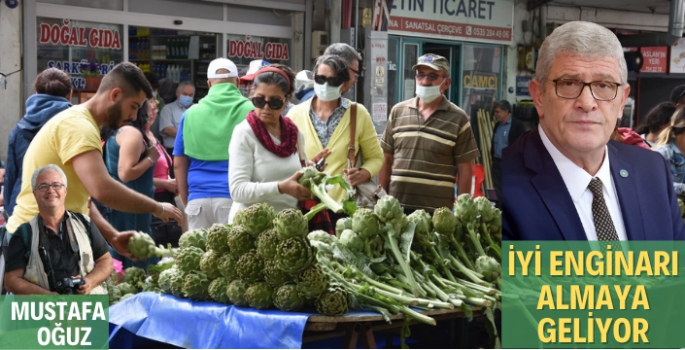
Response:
column 623, row 172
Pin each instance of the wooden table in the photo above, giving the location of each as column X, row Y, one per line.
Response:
column 351, row 327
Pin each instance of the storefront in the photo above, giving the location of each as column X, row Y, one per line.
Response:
column 172, row 39
column 471, row 34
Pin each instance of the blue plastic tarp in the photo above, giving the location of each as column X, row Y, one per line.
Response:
column 201, row 325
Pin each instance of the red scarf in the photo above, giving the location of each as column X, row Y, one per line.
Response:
column 289, row 134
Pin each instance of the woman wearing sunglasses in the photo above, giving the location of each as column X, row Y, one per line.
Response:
column 325, row 122
column 264, row 162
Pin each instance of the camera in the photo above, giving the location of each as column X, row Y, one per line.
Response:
column 69, row 285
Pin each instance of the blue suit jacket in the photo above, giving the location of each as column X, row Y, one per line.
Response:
column 537, row 206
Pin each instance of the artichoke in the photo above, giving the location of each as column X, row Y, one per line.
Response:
column 423, row 221
column 444, row 221
column 236, row 292
column 196, row 286
column 142, row 246
column 239, row 240
column 342, row 225
column 388, row 209
column 113, row 292
column 287, row 298
column 484, row 208
column 227, row 267
column 333, row 301
column 209, row 264
column 217, row 238
column 323, row 236
column 290, row 223
column 365, row 223
column 150, row 284
column 294, row 255
column 217, row 290
column 466, row 208
column 489, row 268
column 256, row 218
column 312, row 282
column 176, row 283
column 126, row 288
column 164, row 279
column 196, row 238
column 259, row 296
column 135, row 276
column 274, row 276
column 250, row 267
column 188, row 259
column 267, row 243
column 351, row 240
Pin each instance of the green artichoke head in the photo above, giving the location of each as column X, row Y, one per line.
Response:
column 176, row 283
column 484, row 208
column 293, row 255
column 251, row 267
column 240, row 241
column 210, row 264
column 322, row 236
column 217, row 290
column 259, row 296
column 227, row 266
column 333, row 301
column 274, row 275
column 312, row 282
column 141, row 245
column 217, row 238
column 290, row 223
column 388, row 209
column 164, row 279
column 444, row 221
column 267, row 243
column 342, row 225
column 466, row 208
column 287, row 298
column 351, row 240
column 196, row 286
column 135, row 276
column 366, row 223
column 195, row 238
column 488, row 267
column 126, row 288
column 150, row 284
column 188, row 259
column 236, row 292
column 256, row 218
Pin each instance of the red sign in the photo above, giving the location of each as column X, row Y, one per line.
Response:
column 256, row 50
column 451, row 29
column 79, row 36
column 655, row 59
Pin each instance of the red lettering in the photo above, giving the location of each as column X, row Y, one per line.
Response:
column 286, row 54
column 73, row 37
column 82, row 36
column 248, row 50
column 107, row 42
column 232, row 48
column 259, row 49
column 54, row 34
column 44, row 33
column 269, row 51
column 64, row 35
column 93, row 37
column 278, row 51
column 241, row 49
column 116, row 43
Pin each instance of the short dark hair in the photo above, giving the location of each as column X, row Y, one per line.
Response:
column 657, row 118
column 677, row 93
column 347, row 52
column 273, row 78
column 337, row 64
column 53, row 81
column 503, row 105
column 152, row 79
column 129, row 78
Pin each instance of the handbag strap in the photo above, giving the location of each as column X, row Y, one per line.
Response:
column 353, row 132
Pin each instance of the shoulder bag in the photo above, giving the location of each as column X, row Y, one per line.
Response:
column 369, row 192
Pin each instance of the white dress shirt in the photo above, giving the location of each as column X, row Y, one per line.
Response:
column 577, row 181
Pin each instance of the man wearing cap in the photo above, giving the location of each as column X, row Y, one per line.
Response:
column 201, row 148
column 245, row 85
column 428, row 142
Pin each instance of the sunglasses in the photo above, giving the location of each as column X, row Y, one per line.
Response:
column 332, row 81
column 260, row 102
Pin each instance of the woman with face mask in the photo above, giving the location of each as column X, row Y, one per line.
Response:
column 325, row 122
column 130, row 157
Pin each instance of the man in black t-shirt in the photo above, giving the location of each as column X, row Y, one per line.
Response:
column 57, row 247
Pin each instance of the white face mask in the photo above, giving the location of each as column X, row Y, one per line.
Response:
column 327, row 93
column 428, row 94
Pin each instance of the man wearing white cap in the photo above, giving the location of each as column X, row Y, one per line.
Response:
column 245, row 85
column 201, row 148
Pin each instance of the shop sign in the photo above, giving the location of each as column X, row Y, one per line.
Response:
column 257, row 49
column 677, row 63
column 522, row 84
column 480, row 81
column 654, row 59
column 72, row 35
column 469, row 20
column 73, row 68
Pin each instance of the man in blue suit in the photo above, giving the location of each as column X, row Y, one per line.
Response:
column 566, row 180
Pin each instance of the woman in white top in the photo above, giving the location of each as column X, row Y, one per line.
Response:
column 264, row 162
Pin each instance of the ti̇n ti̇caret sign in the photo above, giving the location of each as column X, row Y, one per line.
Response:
column 489, row 21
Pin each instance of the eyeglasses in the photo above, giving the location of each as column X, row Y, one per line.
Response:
column 332, row 81
column 356, row 73
column 572, row 88
column 260, row 102
column 55, row 186
column 431, row 77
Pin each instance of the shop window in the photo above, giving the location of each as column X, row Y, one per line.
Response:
column 178, row 8
column 481, row 76
column 411, row 55
column 117, row 5
column 177, row 55
column 65, row 44
column 393, row 60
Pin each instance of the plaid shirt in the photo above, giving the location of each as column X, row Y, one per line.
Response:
column 325, row 129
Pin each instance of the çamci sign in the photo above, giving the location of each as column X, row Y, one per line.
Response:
column 256, row 50
column 67, row 35
column 488, row 21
